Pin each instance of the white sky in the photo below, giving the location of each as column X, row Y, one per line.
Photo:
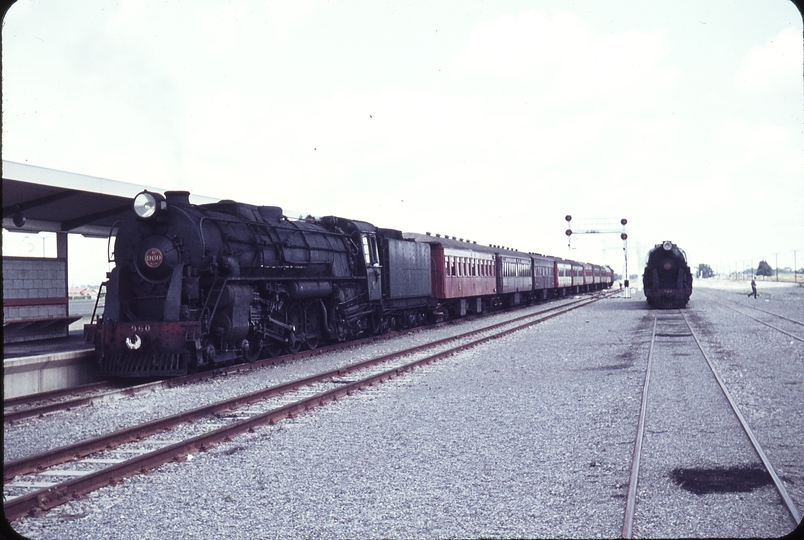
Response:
column 483, row 120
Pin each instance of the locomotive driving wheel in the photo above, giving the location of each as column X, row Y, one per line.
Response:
column 273, row 348
column 377, row 323
column 252, row 348
column 296, row 319
column 312, row 327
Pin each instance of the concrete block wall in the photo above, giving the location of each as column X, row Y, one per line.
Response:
column 33, row 289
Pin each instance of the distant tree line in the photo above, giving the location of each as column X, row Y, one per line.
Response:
column 764, row 269
column 704, row 271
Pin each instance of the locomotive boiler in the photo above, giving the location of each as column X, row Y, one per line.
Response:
column 202, row 285
column 667, row 280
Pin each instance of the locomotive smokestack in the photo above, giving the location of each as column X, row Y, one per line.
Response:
column 178, row 198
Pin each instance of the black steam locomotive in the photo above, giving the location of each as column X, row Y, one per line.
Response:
column 667, row 280
column 196, row 286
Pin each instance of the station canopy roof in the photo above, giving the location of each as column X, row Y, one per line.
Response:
column 60, row 201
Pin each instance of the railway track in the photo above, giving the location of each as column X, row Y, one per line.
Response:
column 67, row 399
column 35, row 483
column 795, row 327
column 672, row 335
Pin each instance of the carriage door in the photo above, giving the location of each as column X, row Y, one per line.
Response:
column 373, row 268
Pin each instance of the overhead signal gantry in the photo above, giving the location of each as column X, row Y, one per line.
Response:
column 603, row 226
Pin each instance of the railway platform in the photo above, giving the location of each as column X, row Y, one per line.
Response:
column 42, row 366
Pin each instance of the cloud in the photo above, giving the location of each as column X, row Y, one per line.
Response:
column 522, row 47
column 566, row 63
column 772, row 67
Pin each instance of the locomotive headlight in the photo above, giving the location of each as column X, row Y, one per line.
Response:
column 147, row 204
column 667, row 245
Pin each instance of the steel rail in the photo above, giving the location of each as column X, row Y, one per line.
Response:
column 794, row 336
column 630, row 504
column 777, row 315
column 59, row 455
column 10, row 416
column 58, row 494
column 799, row 338
column 791, row 506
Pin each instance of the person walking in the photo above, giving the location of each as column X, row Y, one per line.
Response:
column 753, row 287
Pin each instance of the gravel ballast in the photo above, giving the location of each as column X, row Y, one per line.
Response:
column 527, row 436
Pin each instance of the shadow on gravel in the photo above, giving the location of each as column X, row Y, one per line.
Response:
column 610, row 367
column 721, row 479
column 621, row 304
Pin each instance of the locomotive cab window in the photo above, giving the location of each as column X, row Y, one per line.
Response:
column 370, row 250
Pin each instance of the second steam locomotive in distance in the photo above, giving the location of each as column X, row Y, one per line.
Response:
column 197, row 286
column 667, row 280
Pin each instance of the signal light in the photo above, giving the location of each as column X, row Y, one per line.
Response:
column 568, row 232
column 624, row 236
column 568, row 217
column 623, row 221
